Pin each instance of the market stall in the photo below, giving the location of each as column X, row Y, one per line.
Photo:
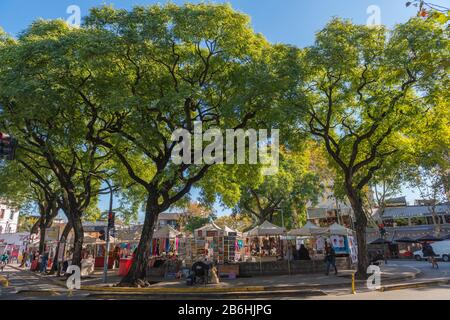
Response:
column 338, row 236
column 165, row 240
column 315, row 237
column 217, row 244
column 94, row 248
column 265, row 243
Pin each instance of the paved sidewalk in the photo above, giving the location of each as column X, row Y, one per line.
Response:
column 26, row 282
column 298, row 281
column 389, row 274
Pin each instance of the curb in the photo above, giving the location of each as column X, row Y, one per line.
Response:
column 243, row 290
column 235, row 290
column 211, row 296
column 420, row 284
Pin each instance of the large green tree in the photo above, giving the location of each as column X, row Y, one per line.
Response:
column 286, row 193
column 364, row 89
column 44, row 101
column 161, row 68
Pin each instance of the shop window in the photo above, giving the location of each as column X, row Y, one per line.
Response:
column 401, row 222
column 417, row 221
column 447, row 218
column 388, row 222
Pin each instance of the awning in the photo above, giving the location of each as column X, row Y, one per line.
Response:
column 428, row 237
column 380, row 241
column 266, row 229
column 337, row 229
column 308, row 229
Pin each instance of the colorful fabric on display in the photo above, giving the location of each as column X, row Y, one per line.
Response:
column 240, row 243
column 157, row 251
column 177, row 243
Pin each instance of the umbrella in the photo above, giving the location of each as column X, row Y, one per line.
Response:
column 380, row 241
column 428, row 237
column 405, row 240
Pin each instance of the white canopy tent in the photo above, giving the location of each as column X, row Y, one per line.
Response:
column 308, row 229
column 337, row 229
column 266, row 229
column 228, row 230
column 209, row 227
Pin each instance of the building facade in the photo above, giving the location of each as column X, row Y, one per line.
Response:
column 413, row 221
column 329, row 210
column 9, row 218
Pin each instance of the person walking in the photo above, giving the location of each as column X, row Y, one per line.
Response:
column 44, row 261
column 4, row 260
column 30, row 258
column 24, row 259
column 330, row 258
column 429, row 253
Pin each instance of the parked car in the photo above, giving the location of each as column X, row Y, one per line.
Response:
column 441, row 248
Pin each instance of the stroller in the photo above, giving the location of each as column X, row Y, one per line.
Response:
column 200, row 272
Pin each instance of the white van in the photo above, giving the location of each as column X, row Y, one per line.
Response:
column 441, row 248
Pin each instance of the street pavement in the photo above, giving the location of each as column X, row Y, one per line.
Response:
column 432, row 292
column 24, row 285
column 440, row 292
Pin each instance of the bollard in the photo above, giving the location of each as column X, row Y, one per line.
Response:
column 4, row 282
column 353, row 283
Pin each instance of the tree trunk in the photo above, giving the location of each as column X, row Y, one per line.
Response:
column 42, row 236
column 78, row 239
column 61, row 241
column 138, row 270
column 361, row 225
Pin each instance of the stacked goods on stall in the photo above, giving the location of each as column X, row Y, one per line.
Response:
column 209, row 242
column 186, row 248
column 229, row 245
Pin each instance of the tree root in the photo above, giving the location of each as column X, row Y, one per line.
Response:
column 139, row 283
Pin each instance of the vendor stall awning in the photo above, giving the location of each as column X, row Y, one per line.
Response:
column 308, row 229
column 209, row 227
column 266, row 229
column 337, row 229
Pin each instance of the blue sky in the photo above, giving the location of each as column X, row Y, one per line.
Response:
column 288, row 21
